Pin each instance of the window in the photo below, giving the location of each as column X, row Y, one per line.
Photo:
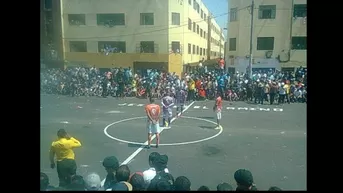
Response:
column 233, row 14
column 232, row 44
column 205, row 17
column 147, row 18
column 299, row 43
column 111, row 20
column 189, row 49
column 200, row 51
column 193, row 51
column 198, row 8
column 265, row 43
column 189, row 24
column 197, row 29
column 201, row 14
column 176, row 47
column 267, row 12
column 204, row 51
column 175, row 18
column 78, row 46
column 200, row 32
column 47, row 4
column 112, row 46
column 197, row 50
column 193, row 26
column 204, row 34
column 194, row 5
column 190, row 2
column 147, row 47
column 77, row 19
column 300, row 10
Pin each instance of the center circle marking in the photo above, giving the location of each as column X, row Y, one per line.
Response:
column 162, row 144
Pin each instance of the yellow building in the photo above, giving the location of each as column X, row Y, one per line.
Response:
column 161, row 34
column 279, row 34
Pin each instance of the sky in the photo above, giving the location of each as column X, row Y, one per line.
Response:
column 218, row 7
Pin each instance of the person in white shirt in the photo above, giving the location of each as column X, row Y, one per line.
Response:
column 150, row 173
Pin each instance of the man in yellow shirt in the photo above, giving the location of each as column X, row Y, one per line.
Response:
column 65, row 157
column 191, row 90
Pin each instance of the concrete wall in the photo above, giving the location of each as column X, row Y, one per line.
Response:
column 279, row 28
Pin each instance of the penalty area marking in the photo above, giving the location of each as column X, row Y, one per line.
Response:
column 163, row 144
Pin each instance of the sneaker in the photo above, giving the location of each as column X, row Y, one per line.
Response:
column 156, row 146
column 148, row 146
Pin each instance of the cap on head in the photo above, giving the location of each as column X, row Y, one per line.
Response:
column 93, row 181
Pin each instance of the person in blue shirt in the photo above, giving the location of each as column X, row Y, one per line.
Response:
column 221, row 83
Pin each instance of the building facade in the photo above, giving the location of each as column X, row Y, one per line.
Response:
column 161, row 34
column 279, row 34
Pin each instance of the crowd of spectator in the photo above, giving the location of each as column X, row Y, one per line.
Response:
column 268, row 85
column 156, row 178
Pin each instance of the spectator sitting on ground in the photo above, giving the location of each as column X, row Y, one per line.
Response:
column 111, row 165
column 44, row 182
column 122, row 176
column 160, row 164
column 224, row 187
column 203, row 188
column 274, row 188
column 93, row 182
column 137, row 182
column 149, row 174
column 244, row 180
column 77, row 184
column 182, row 183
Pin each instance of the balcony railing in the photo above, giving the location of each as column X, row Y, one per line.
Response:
column 147, row 48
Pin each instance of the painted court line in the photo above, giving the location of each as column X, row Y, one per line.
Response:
column 134, row 154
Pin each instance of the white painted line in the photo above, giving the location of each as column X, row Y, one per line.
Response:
column 204, row 107
column 140, row 105
column 174, row 107
column 65, row 122
column 196, row 107
column 164, row 128
column 130, row 105
column 232, row 108
column 152, row 138
column 122, row 104
column 113, row 112
column 134, row 154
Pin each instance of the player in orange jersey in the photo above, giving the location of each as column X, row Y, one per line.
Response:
column 153, row 112
column 218, row 108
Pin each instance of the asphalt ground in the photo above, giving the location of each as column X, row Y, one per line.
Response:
column 271, row 144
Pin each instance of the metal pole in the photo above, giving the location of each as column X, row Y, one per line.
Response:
column 251, row 38
column 290, row 32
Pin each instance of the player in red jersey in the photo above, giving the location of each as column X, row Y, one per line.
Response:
column 218, row 108
column 153, row 112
